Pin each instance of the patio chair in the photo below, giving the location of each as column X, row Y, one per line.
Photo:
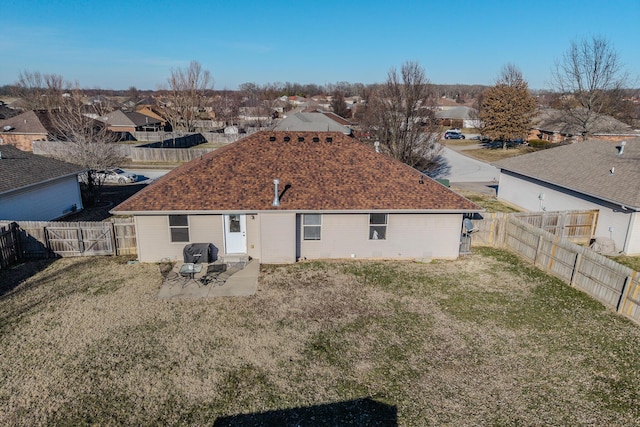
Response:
column 213, row 274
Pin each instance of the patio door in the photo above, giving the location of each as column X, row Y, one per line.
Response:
column 235, row 234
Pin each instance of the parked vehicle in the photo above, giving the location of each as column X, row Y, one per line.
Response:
column 116, row 175
column 450, row 134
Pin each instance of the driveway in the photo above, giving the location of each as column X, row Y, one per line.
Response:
column 457, row 167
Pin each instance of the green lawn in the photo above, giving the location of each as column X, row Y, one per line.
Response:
column 483, row 340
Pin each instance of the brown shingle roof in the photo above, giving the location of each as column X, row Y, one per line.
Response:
column 326, row 171
column 28, row 122
column 585, row 167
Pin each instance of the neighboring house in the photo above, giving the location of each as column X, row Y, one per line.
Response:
column 21, row 130
column 335, row 197
column 556, row 126
column 591, row 174
column 313, row 122
column 149, row 112
column 458, row 117
column 36, row 188
column 119, row 121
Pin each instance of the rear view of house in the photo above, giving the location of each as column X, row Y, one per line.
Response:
column 284, row 196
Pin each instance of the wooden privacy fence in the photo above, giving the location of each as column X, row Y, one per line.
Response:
column 9, row 245
column 166, row 155
column 577, row 226
column 44, row 239
column 614, row 285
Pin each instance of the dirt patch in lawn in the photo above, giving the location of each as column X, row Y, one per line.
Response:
column 484, row 340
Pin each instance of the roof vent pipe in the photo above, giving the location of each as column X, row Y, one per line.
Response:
column 377, row 145
column 621, row 147
column 276, row 199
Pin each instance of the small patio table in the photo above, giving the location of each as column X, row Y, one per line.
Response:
column 189, row 270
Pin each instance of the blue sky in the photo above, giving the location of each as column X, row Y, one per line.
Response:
column 115, row 44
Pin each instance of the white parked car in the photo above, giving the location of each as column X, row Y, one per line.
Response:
column 116, row 175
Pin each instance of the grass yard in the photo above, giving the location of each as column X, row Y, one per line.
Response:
column 494, row 154
column 632, row 262
column 484, row 340
column 488, row 202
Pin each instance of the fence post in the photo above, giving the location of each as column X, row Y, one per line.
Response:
column 113, row 238
column 623, row 294
column 576, row 267
column 538, row 249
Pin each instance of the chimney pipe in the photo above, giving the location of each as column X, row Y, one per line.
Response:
column 276, row 199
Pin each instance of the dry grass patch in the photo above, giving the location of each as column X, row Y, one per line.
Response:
column 483, row 340
column 488, row 202
column 494, row 154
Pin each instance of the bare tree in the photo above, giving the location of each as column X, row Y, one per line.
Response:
column 506, row 109
column 591, row 80
column 339, row 105
column 400, row 114
column 188, row 95
column 84, row 138
column 40, row 91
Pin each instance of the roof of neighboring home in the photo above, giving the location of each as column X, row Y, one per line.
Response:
column 21, row 169
column 318, row 171
column 336, row 118
column 118, row 118
column 27, row 122
column 146, row 111
column 551, row 120
column 310, row 122
column 586, row 167
column 140, row 119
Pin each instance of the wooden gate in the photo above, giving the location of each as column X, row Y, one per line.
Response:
column 80, row 239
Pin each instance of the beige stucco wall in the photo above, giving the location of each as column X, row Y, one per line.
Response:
column 409, row 236
column 154, row 239
column 253, row 236
column 277, row 238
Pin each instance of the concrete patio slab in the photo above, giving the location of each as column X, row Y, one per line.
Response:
column 243, row 282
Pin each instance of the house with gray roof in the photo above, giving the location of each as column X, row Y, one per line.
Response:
column 557, row 126
column 592, row 174
column 458, row 116
column 119, row 121
column 37, row 188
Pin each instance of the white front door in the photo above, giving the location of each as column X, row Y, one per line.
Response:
column 235, row 234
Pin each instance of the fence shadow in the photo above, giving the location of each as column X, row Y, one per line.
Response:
column 358, row 412
column 11, row 277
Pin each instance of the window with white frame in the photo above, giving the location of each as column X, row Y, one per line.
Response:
column 377, row 226
column 311, row 226
column 179, row 228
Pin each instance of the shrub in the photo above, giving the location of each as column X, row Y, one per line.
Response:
column 540, row 143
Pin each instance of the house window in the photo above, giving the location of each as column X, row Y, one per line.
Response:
column 234, row 223
column 179, row 228
column 311, row 226
column 377, row 226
